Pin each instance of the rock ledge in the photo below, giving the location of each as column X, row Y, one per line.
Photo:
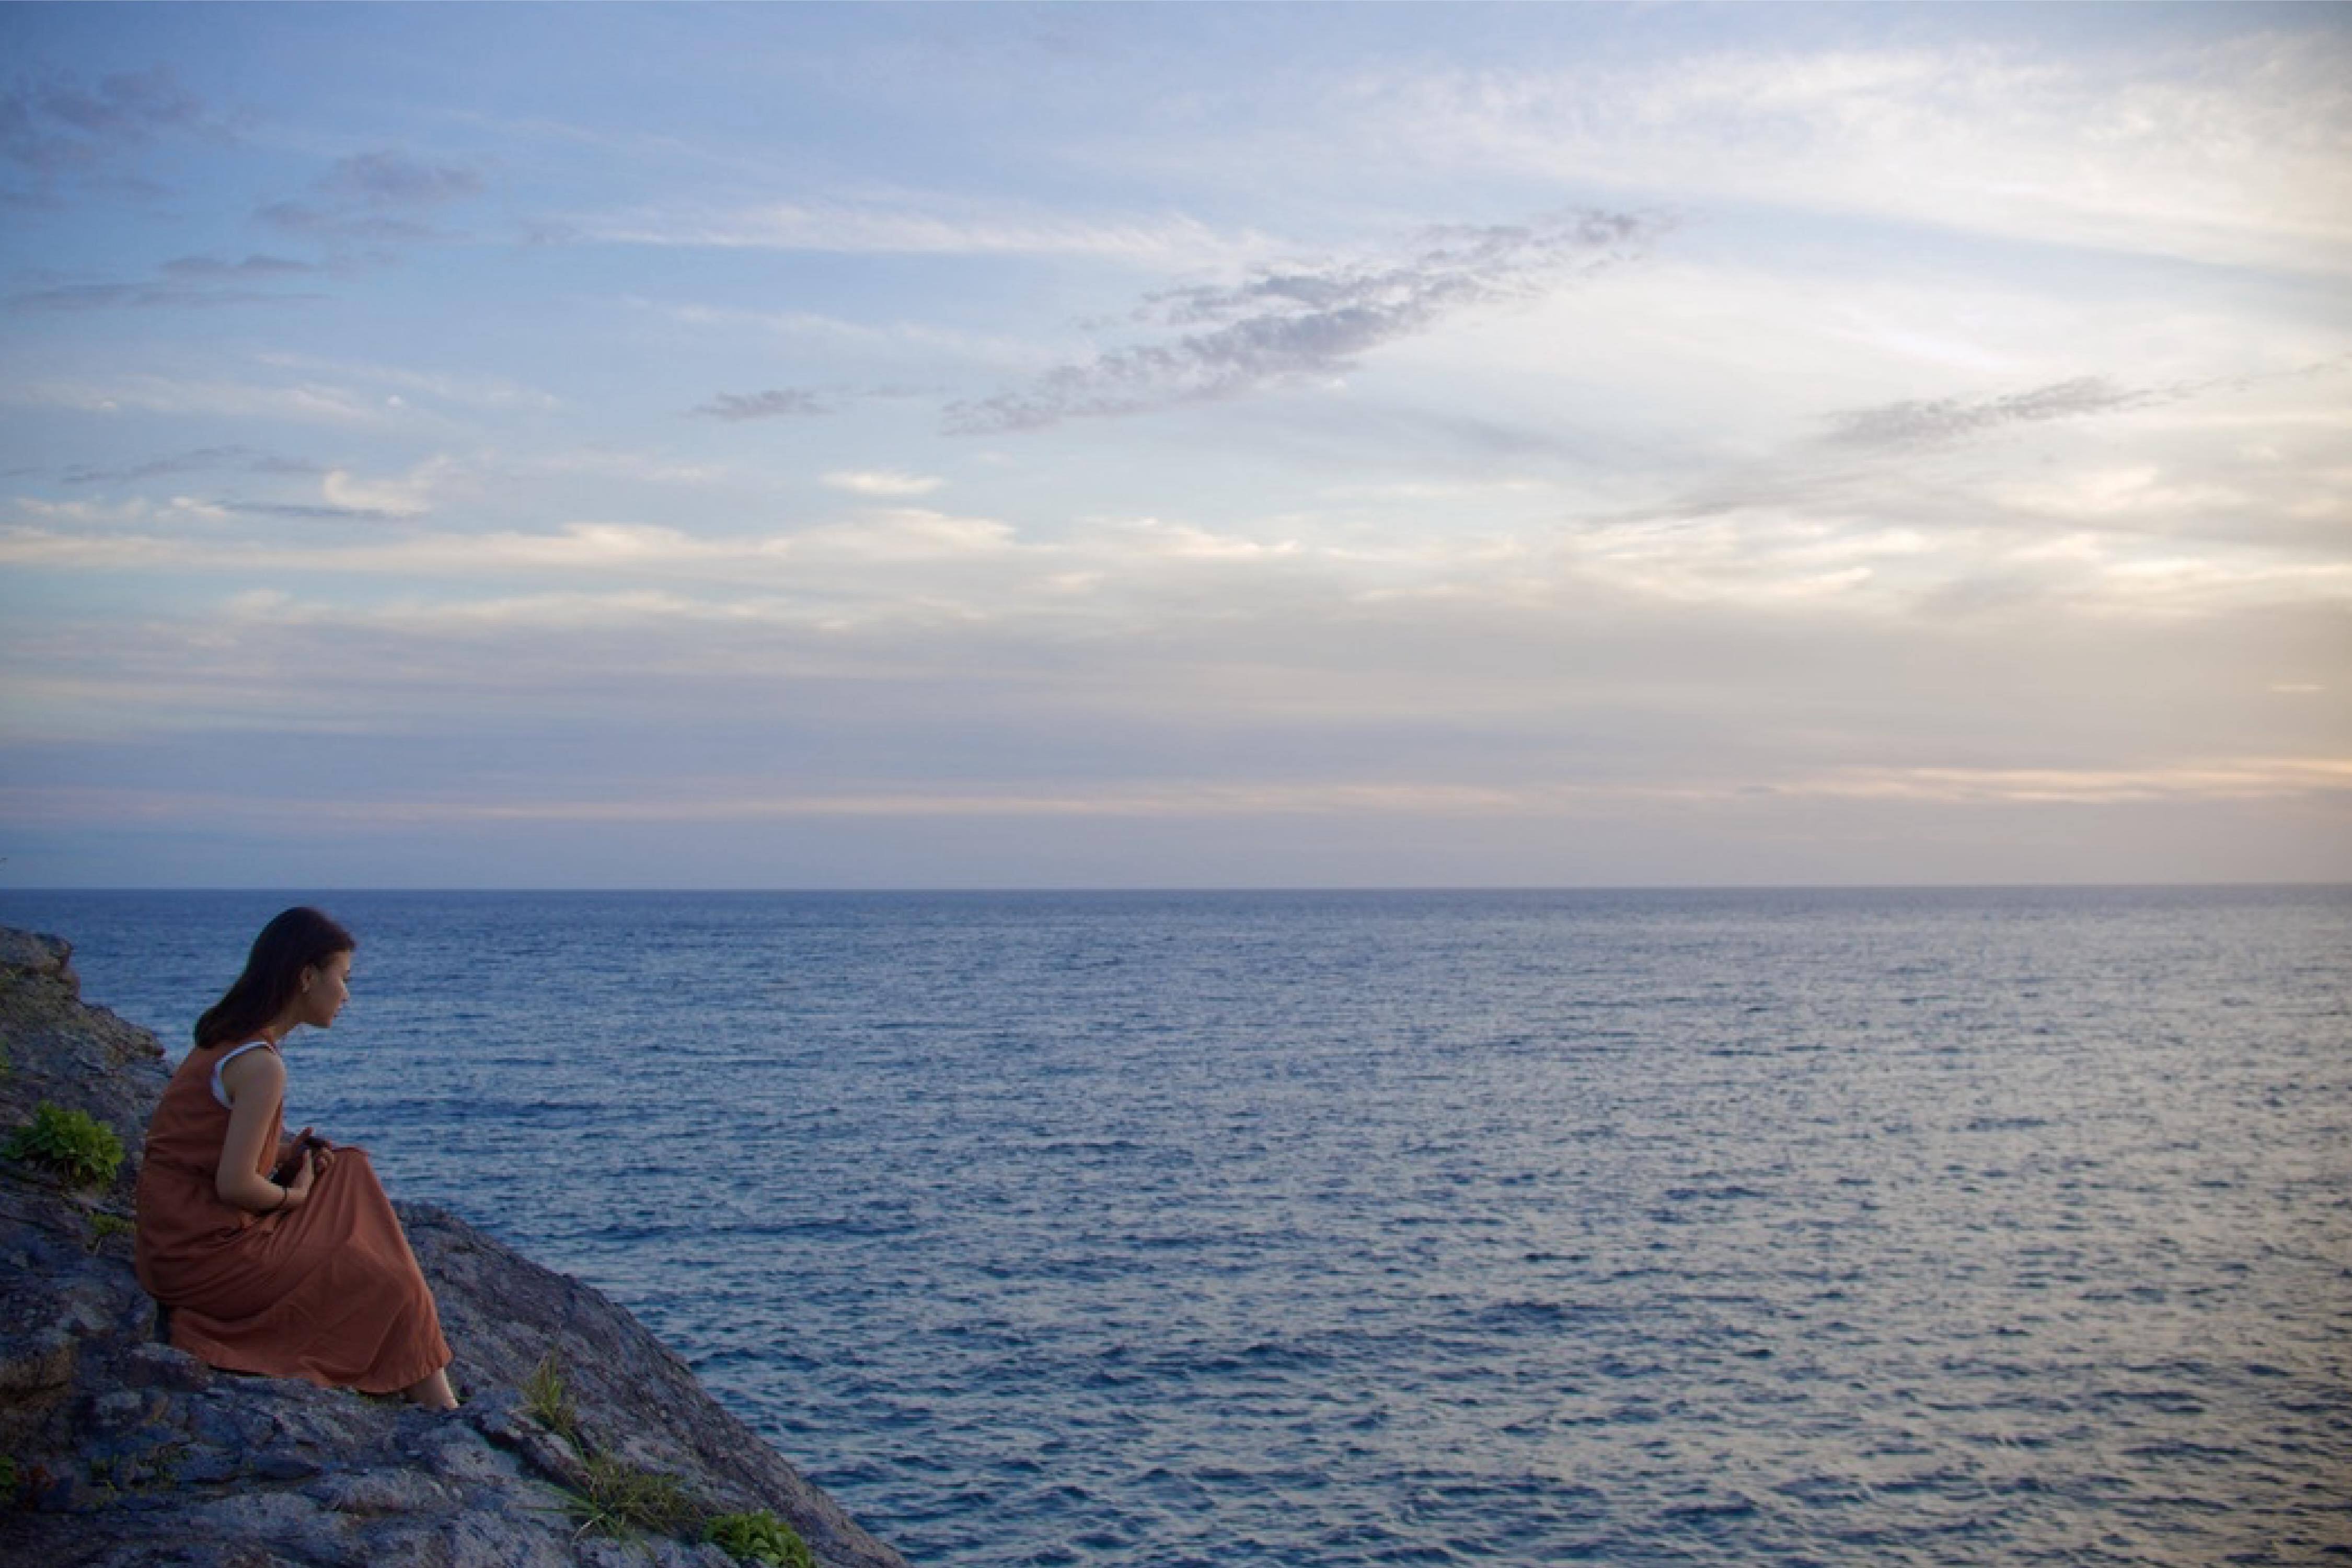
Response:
column 127, row 1453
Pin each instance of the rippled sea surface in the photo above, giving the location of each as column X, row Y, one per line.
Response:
column 1672, row 1227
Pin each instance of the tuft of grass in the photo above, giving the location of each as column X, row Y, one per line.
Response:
column 74, row 1144
column 616, row 1499
column 547, row 1400
column 613, row 1497
column 760, row 1537
column 104, row 1227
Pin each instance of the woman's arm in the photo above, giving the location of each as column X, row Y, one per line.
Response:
column 255, row 1082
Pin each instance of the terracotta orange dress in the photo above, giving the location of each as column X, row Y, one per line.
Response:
column 328, row 1291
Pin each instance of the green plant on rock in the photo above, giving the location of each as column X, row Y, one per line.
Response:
column 107, row 1473
column 760, row 1537
column 616, row 1498
column 105, row 1227
column 547, row 1400
column 74, row 1144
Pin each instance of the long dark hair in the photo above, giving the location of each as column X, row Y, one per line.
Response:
column 297, row 940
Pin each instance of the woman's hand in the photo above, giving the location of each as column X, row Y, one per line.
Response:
column 295, row 1145
column 305, row 1175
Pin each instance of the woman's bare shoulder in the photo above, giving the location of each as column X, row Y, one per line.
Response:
column 252, row 1069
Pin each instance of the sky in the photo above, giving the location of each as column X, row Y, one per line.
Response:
column 1181, row 446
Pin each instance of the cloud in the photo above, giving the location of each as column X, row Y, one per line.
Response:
column 925, row 224
column 251, row 267
column 882, row 482
column 390, row 178
column 56, row 125
column 643, row 467
column 85, row 517
column 1930, row 422
column 2235, row 778
column 2228, row 779
column 1935, row 421
column 924, row 342
column 465, row 391
column 1183, row 542
column 210, row 399
column 345, row 498
column 201, row 459
column 374, row 198
column 776, row 403
column 1314, row 319
column 908, row 533
column 191, row 282
column 314, row 512
column 580, row 546
column 409, row 496
column 2229, row 151
column 337, row 223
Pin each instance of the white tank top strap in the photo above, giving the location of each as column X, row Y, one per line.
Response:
column 220, row 1090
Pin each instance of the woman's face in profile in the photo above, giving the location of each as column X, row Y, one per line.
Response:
column 328, row 989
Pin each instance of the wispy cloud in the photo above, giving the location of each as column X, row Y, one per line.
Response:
column 307, row 401
column 345, row 497
column 54, row 124
column 2229, row 151
column 908, row 533
column 392, row 178
column 68, row 297
column 917, row 224
column 1922, row 423
column 882, row 482
column 328, row 224
column 190, row 282
column 199, row 460
column 2235, row 778
column 214, row 267
column 313, row 512
column 474, row 392
column 1314, row 319
column 777, row 403
column 927, row 339
column 379, row 197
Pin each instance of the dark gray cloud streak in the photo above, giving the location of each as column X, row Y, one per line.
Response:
column 1314, row 319
column 375, row 198
column 779, row 403
column 337, row 224
column 1934, row 422
column 390, row 178
column 202, row 459
column 56, row 125
column 313, row 512
column 190, row 282
column 209, row 267
column 1868, row 443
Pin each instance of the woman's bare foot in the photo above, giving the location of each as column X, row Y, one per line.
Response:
column 433, row 1392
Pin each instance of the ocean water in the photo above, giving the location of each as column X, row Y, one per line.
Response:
column 1149, row 1230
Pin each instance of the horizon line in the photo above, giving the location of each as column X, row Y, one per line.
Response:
column 1067, row 889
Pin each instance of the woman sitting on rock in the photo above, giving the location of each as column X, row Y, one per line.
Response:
column 278, row 1255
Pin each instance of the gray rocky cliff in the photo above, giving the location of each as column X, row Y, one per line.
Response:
column 118, row 1450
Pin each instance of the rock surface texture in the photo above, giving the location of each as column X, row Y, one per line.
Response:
column 118, row 1450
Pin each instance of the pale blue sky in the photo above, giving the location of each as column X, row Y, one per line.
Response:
column 1129, row 446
